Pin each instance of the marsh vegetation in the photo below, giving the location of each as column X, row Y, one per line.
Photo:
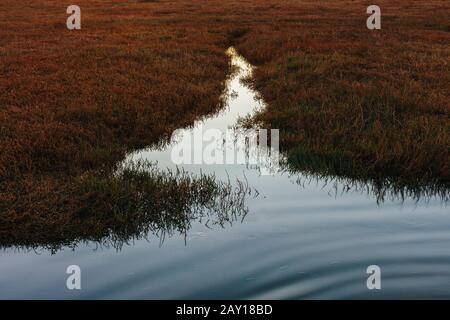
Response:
column 351, row 103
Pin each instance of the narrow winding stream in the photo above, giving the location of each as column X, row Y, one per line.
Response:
column 240, row 102
column 297, row 241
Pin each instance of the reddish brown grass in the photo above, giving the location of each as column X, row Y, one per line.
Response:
column 378, row 100
column 77, row 101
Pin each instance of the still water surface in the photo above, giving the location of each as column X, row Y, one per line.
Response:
column 302, row 238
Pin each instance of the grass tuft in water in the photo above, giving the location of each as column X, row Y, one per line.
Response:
column 134, row 202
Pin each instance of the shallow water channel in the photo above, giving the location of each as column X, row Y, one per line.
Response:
column 301, row 238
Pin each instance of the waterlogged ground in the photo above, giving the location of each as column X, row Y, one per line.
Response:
column 301, row 237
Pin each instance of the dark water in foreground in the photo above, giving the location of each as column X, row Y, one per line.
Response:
column 302, row 238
